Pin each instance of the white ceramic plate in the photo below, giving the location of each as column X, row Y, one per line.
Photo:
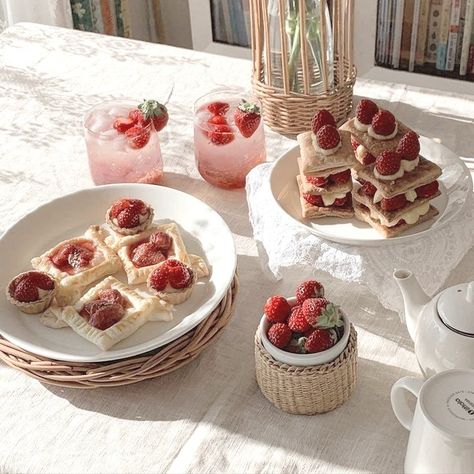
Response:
column 455, row 187
column 204, row 232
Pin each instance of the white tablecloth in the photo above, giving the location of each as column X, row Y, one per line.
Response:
column 209, row 416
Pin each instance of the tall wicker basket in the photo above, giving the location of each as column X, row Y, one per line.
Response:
column 288, row 109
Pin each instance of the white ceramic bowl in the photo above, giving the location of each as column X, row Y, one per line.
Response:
column 317, row 358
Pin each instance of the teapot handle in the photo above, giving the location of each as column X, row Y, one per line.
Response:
column 399, row 404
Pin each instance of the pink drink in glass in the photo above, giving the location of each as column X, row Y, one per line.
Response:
column 225, row 158
column 115, row 157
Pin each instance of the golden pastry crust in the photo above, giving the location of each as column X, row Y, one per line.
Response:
column 313, row 162
column 70, row 286
column 363, row 215
column 136, row 275
column 138, row 312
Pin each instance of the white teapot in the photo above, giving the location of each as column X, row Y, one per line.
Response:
column 442, row 328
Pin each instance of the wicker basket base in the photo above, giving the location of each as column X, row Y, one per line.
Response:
column 307, row 390
column 162, row 361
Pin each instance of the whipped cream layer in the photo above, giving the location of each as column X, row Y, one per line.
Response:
column 409, row 196
column 362, row 127
column 405, row 167
column 410, row 217
column 329, row 198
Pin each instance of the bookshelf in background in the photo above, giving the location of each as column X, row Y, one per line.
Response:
column 433, row 37
column 231, row 22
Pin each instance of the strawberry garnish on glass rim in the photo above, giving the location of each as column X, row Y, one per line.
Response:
column 156, row 112
column 247, row 118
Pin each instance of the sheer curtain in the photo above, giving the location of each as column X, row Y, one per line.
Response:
column 47, row 12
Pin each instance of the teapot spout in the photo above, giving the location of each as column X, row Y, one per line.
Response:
column 413, row 296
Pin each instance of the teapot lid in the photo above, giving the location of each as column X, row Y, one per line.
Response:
column 456, row 308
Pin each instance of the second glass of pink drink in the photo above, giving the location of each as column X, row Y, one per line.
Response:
column 229, row 139
column 122, row 142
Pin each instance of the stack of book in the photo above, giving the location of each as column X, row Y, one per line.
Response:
column 231, row 21
column 427, row 36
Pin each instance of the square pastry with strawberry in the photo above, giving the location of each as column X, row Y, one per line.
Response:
column 324, row 179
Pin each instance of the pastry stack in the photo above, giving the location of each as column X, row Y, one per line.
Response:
column 397, row 184
column 325, row 162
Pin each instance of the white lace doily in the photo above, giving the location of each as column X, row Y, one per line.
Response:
column 287, row 244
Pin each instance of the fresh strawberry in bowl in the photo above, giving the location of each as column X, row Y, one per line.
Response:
column 304, row 330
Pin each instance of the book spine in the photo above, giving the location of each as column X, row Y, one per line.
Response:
column 453, row 35
column 443, row 35
column 433, row 31
column 414, row 35
column 422, row 32
column 383, row 31
column 466, row 40
column 397, row 36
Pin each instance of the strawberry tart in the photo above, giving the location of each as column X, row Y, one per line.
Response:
column 172, row 281
column 31, row 292
column 129, row 216
column 325, row 162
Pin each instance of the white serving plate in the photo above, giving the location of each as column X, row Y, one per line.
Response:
column 204, row 232
column 455, row 187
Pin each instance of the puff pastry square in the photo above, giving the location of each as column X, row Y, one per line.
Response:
column 71, row 285
column 136, row 275
column 141, row 309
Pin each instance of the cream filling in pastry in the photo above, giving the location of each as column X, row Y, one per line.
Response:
column 141, row 219
column 361, row 152
column 328, row 199
column 409, row 196
column 329, row 152
column 371, row 132
column 410, row 217
column 362, row 127
column 410, row 165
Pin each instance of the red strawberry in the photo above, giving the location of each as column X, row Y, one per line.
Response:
column 247, row 118
column 383, row 123
column 365, row 111
column 328, row 137
column 217, row 120
column 277, row 309
column 341, row 202
column 158, row 279
column 394, row 203
column 409, row 146
column 41, row 280
column 321, row 118
column 367, row 158
column 388, row 162
column 354, row 143
column 161, row 240
column 156, row 112
column 427, row 190
column 316, row 180
column 25, row 291
column 320, row 340
column 106, row 316
column 312, row 308
column 221, row 135
column 146, row 254
column 297, row 322
column 112, row 296
column 137, row 117
column 309, row 289
column 60, row 256
column 179, row 276
column 369, row 189
column 79, row 257
column 279, row 335
column 313, row 199
column 122, row 124
column 121, row 204
column 138, row 136
column 341, row 178
column 128, row 219
column 218, row 108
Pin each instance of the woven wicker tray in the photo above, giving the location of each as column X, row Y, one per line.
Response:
column 162, row 361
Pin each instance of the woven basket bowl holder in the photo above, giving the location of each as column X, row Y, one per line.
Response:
column 307, row 390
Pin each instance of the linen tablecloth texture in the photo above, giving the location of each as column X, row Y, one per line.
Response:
column 210, row 416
